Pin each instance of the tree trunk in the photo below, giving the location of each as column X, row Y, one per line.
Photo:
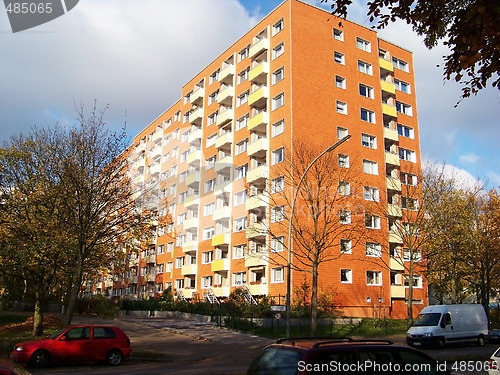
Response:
column 314, row 300
column 73, row 293
column 38, row 314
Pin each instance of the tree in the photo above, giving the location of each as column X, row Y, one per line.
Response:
column 470, row 29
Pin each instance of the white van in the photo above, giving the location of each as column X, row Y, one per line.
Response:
column 441, row 324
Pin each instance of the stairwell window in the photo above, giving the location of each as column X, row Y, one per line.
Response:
column 344, row 216
column 277, row 275
column 373, row 278
column 278, row 50
column 340, row 82
column 278, row 184
column 278, row 128
column 343, row 160
column 278, row 75
column 345, row 246
column 339, row 57
column 278, row 155
column 363, row 45
column 278, row 26
column 370, row 167
column 278, row 244
column 277, row 214
column 341, row 132
column 346, row 276
column 278, row 101
column 338, row 34
column 365, row 67
column 341, row 107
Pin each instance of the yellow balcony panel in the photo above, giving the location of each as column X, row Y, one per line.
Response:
column 192, row 200
column 257, row 201
column 391, row 158
column 222, row 187
column 259, row 72
column 220, row 265
column 398, row 291
column 227, row 73
column 221, row 291
column 224, row 139
column 262, row 118
column 197, row 96
column 394, row 210
column 225, row 162
column 391, row 134
column 395, row 237
column 260, row 145
column 193, row 178
column 194, row 157
column 386, row 64
column 258, row 47
column 188, row 269
column 222, row 213
column 226, row 95
column 261, row 95
column 157, row 136
column 256, row 230
column 195, row 136
column 389, row 110
column 258, row 289
column 189, row 246
column 221, row 239
column 255, row 261
column 396, row 264
column 187, row 292
column 255, row 174
column 388, row 87
column 393, row 183
column 196, row 116
column 225, row 117
column 191, row 223
column 155, row 152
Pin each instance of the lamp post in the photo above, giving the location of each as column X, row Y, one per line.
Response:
column 290, row 229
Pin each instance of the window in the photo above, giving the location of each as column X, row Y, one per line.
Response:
column 343, row 160
column 242, row 99
column 239, row 251
column 278, row 184
column 208, row 233
column 243, row 53
column 181, row 218
column 278, row 26
column 344, row 188
column 278, row 75
column 207, row 257
column 364, row 67
column 160, row 268
column 407, row 155
column 209, row 185
column 341, row 132
column 210, row 162
column 212, row 119
column 345, row 246
column 278, row 101
column 240, row 224
column 278, row 155
column 240, row 198
column 278, row 244
column 402, row 86
column 213, row 77
column 400, row 64
column 366, row 91
column 212, row 98
column 278, row 50
column 241, row 172
column 373, row 249
column 372, row 221
column 405, row 131
column 182, row 197
column 160, row 250
column 370, row 167
column 369, row 140
column 345, row 216
column 170, row 247
column 206, row 282
column 371, row 193
column 409, row 203
column 373, row 278
column 346, row 276
column 407, row 255
column 208, row 209
column 104, row 333
column 184, row 156
column 179, row 262
column 340, row 82
column 242, row 123
column 404, row 108
column 277, row 214
column 239, row 278
column 417, row 281
column 277, row 275
column 211, row 140
column 408, row 179
column 278, row 128
column 243, row 75
column 338, row 34
column 341, row 107
column 241, row 146
column 363, row 44
column 339, row 57
column 179, row 283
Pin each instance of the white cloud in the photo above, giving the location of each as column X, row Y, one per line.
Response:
column 469, row 158
column 462, row 178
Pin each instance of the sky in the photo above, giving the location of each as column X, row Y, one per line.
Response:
column 135, row 55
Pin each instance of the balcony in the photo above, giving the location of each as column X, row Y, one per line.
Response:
column 258, row 289
column 223, row 187
column 133, row 262
column 258, row 47
column 195, row 136
column 256, row 230
column 255, row 261
column 189, row 269
column 257, row 201
column 157, row 136
column 192, row 223
column 394, row 210
column 197, row 96
column 227, row 116
column 222, row 213
column 188, row 292
column 154, row 169
column 396, row 264
column 194, row 157
column 393, row 183
column 193, row 178
column 149, row 277
column 220, row 265
column 388, row 87
column 189, row 246
column 226, row 96
column 221, row 239
column 259, row 73
column 395, row 237
column 259, row 145
column 259, row 97
column 224, row 139
column 225, row 162
column 391, row 134
column 389, row 110
column 385, row 64
column 132, row 280
column 196, row 116
column 226, row 74
column 262, row 118
column 221, row 291
column 150, row 258
column 255, row 174
column 398, row 291
column 391, row 158
column 192, row 200
column 155, row 152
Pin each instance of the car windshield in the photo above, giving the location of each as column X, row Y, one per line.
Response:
column 275, row 361
column 57, row 333
column 431, row 319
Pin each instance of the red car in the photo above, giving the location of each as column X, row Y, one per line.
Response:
column 76, row 343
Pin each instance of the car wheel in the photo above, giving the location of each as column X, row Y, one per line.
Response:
column 480, row 340
column 114, row 357
column 40, row 359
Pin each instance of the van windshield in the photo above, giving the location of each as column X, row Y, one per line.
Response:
column 427, row 319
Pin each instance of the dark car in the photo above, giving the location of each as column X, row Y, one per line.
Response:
column 76, row 343
column 8, row 368
column 342, row 356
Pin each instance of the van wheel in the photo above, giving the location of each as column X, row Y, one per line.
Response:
column 480, row 340
column 440, row 343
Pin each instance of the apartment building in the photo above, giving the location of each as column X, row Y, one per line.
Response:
column 205, row 162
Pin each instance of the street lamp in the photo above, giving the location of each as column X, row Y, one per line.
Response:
column 290, row 229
